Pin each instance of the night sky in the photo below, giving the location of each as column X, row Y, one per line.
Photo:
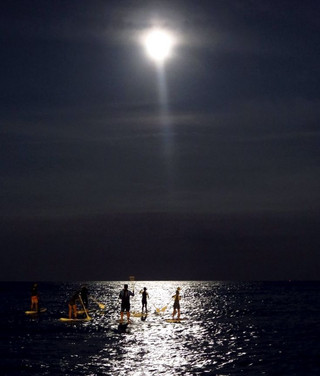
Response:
column 208, row 169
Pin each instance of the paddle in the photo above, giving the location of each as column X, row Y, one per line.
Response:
column 88, row 317
column 164, row 308
column 158, row 310
column 101, row 305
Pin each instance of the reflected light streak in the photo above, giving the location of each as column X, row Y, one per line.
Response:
column 166, row 126
column 164, row 110
column 154, row 346
column 218, row 337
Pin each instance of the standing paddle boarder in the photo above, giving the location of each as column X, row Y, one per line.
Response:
column 72, row 305
column 176, row 303
column 34, row 298
column 144, row 302
column 125, row 302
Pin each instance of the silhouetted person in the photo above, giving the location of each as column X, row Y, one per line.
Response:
column 72, row 304
column 125, row 302
column 145, row 297
column 34, row 298
column 176, row 303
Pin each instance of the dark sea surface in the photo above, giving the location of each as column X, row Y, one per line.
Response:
column 232, row 328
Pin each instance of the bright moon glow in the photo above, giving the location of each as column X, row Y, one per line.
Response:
column 158, row 44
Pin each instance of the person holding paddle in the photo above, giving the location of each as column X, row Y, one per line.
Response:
column 125, row 302
column 144, row 302
column 176, row 304
column 72, row 304
column 34, row 298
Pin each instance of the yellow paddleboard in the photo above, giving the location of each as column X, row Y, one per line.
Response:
column 66, row 319
column 176, row 320
column 138, row 314
column 36, row 312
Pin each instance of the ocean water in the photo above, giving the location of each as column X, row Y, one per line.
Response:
column 231, row 328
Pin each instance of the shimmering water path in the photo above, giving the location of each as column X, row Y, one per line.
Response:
column 261, row 328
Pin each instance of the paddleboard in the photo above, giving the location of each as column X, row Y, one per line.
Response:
column 66, row 319
column 36, row 312
column 138, row 314
column 175, row 320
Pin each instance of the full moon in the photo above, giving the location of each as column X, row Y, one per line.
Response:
column 158, row 44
